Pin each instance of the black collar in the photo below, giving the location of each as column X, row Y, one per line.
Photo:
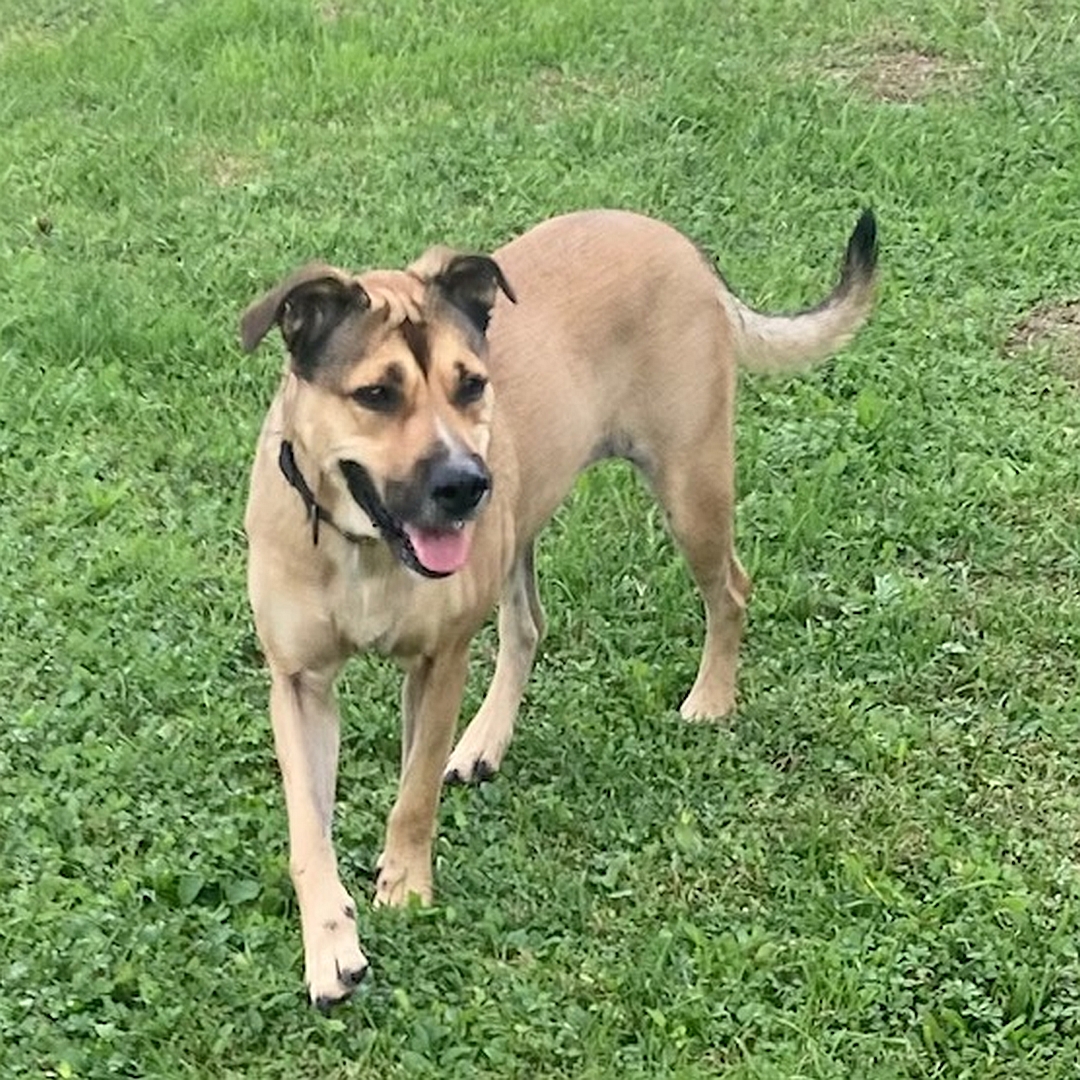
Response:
column 363, row 491
column 316, row 513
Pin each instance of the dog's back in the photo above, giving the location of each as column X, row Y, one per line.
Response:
column 624, row 343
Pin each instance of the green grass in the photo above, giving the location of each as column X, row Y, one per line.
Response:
column 872, row 874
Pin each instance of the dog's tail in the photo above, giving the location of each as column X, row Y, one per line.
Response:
column 778, row 343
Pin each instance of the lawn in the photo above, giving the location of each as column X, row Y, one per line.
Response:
column 873, row 871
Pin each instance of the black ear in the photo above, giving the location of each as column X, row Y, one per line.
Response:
column 471, row 283
column 307, row 306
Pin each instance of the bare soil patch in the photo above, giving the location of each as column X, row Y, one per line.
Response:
column 1055, row 327
column 902, row 74
column 224, row 169
column 557, row 92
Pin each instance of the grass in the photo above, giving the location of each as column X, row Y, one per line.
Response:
column 873, row 873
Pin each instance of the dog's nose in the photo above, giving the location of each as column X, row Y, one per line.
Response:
column 457, row 487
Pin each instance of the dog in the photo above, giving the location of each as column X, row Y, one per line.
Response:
column 428, row 424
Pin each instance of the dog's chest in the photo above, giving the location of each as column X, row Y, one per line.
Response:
column 391, row 612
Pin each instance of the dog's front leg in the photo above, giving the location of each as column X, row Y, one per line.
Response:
column 480, row 749
column 431, row 701
column 306, row 736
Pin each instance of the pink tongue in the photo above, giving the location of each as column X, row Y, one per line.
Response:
column 438, row 551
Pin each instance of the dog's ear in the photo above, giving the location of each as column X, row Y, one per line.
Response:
column 306, row 306
column 471, row 283
column 468, row 282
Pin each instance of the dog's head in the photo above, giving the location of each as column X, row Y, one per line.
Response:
column 387, row 397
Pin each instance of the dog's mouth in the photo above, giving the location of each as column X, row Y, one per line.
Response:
column 439, row 552
column 432, row 551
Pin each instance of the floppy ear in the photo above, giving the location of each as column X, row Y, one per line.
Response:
column 306, row 306
column 471, row 283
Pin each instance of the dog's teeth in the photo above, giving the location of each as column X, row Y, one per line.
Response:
column 459, row 525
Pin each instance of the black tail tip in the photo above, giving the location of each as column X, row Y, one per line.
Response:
column 862, row 249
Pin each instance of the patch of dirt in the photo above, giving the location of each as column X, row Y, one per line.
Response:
column 902, row 74
column 1055, row 327
column 229, row 170
column 556, row 92
column 224, row 169
column 329, row 11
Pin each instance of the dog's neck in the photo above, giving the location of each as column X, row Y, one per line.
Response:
column 316, row 513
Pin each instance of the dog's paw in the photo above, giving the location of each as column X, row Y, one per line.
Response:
column 397, row 881
column 334, row 964
column 474, row 771
column 479, row 752
column 703, row 707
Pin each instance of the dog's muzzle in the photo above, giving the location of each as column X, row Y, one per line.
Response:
column 425, row 521
column 458, row 487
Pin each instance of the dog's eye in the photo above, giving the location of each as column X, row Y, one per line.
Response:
column 470, row 390
column 378, row 397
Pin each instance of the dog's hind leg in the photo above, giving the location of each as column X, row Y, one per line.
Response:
column 480, row 750
column 433, row 698
column 700, row 502
column 306, row 735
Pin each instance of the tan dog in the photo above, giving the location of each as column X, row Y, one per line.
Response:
column 413, row 453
